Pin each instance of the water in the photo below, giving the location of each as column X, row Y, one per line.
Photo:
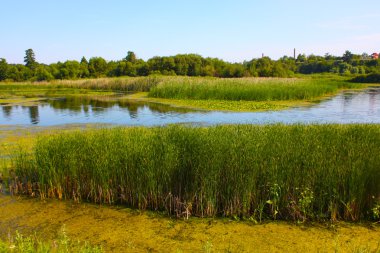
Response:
column 347, row 107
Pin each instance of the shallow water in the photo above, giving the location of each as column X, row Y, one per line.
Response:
column 118, row 229
column 347, row 107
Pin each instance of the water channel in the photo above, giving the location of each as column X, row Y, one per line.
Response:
column 345, row 108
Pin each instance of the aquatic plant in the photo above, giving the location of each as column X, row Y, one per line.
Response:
column 297, row 172
column 247, row 89
column 34, row 244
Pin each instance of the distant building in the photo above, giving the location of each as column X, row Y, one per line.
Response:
column 375, row 56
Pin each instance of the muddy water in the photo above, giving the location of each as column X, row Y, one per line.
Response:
column 125, row 230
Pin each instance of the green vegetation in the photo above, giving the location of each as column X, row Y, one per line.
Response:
column 187, row 65
column 207, row 93
column 29, row 90
column 371, row 78
column 299, row 172
column 128, row 84
column 33, row 244
column 247, row 89
column 220, row 105
column 120, row 229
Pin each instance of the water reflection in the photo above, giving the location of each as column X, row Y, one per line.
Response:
column 7, row 110
column 87, row 105
column 34, row 115
column 347, row 107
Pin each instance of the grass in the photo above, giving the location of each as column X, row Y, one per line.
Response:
column 247, row 89
column 105, row 84
column 15, row 138
column 235, row 94
column 219, row 105
column 33, row 244
column 125, row 84
column 298, row 172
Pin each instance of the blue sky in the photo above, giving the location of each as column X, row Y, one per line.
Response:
column 231, row 30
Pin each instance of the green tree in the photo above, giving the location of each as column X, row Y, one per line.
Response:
column 73, row 68
column 42, row 74
column 3, row 69
column 83, row 69
column 131, row 57
column 347, row 56
column 97, row 66
column 19, row 72
column 301, row 58
column 84, row 61
column 30, row 59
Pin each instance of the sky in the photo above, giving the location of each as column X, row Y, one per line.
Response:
column 234, row 30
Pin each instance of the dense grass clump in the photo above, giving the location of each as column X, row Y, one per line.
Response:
column 288, row 172
column 371, row 78
column 114, row 84
column 249, row 89
column 125, row 84
column 196, row 88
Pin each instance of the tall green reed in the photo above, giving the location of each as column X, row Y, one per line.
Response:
column 251, row 89
column 295, row 172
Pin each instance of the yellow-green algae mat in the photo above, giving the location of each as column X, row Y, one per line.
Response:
column 125, row 230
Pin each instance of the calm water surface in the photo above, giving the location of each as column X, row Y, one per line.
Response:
column 347, row 107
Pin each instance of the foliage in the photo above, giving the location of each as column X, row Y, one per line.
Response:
column 193, row 65
column 97, row 67
column 298, row 172
column 3, row 69
column 371, row 78
column 30, row 59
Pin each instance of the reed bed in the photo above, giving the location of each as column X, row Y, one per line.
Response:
column 142, row 84
column 196, row 88
column 249, row 89
column 109, row 84
column 290, row 172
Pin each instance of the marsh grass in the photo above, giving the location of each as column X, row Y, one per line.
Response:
column 247, row 89
column 299, row 172
column 201, row 88
column 33, row 244
column 77, row 87
column 124, row 84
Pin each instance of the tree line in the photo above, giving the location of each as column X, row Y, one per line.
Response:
column 187, row 65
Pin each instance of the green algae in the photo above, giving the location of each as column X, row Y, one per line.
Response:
column 118, row 229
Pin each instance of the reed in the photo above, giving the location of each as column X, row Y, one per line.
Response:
column 249, row 89
column 124, row 84
column 291, row 172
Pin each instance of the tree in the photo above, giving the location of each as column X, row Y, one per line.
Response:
column 3, row 69
column 83, row 68
column 97, row 66
column 301, row 58
column 347, row 56
column 83, row 61
column 131, row 57
column 42, row 74
column 30, row 59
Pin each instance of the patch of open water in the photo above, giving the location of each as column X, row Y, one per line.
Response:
column 347, row 107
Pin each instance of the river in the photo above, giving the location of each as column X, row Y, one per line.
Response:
column 345, row 108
